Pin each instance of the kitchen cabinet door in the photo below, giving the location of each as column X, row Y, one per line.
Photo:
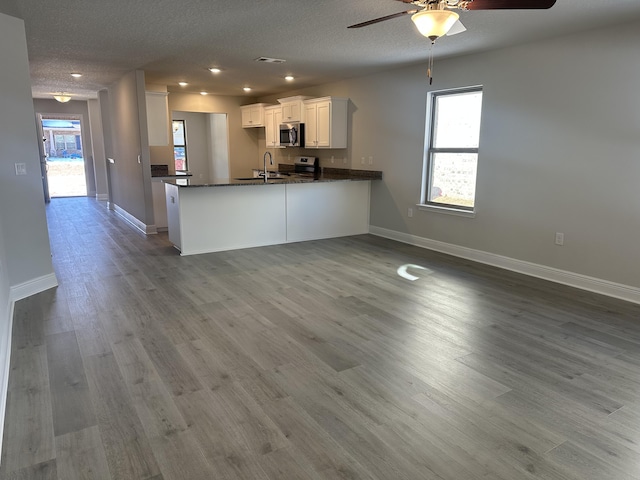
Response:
column 291, row 111
column 253, row 115
column 293, row 108
column 326, row 122
column 323, row 115
column 311, row 125
column 272, row 121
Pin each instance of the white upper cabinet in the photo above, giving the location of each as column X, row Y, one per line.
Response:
column 272, row 121
column 326, row 122
column 157, row 118
column 292, row 108
column 253, row 115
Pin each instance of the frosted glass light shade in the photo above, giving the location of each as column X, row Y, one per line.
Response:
column 434, row 23
column 62, row 98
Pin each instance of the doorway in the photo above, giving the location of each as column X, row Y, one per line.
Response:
column 63, row 155
column 201, row 143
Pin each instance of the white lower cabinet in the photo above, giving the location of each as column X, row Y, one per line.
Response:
column 213, row 219
column 173, row 214
column 339, row 209
column 159, row 205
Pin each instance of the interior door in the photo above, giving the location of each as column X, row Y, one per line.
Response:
column 44, row 167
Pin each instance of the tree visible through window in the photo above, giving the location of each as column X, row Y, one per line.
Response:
column 451, row 159
column 179, row 145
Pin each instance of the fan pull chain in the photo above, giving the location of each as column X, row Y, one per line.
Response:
column 430, row 67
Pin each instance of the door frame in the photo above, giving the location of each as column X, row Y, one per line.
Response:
column 60, row 116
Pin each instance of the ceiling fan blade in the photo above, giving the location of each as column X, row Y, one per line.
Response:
column 509, row 4
column 382, row 19
column 458, row 27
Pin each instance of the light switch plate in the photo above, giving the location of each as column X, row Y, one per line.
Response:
column 21, row 168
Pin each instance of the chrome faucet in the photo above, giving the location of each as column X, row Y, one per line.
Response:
column 264, row 159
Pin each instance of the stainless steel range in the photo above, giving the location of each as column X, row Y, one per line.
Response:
column 307, row 167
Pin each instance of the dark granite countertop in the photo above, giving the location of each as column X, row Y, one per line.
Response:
column 324, row 177
column 181, row 175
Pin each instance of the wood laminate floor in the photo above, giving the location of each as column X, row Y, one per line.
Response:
column 312, row 360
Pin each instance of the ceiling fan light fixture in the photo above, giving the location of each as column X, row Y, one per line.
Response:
column 434, row 23
column 62, row 97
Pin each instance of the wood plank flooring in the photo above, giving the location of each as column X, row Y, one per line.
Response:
column 311, row 361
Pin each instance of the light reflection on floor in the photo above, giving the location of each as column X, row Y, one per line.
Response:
column 403, row 271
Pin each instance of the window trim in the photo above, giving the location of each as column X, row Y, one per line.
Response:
column 429, row 151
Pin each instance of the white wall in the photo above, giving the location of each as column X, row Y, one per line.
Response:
column 218, row 145
column 6, row 314
column 130, row 175
column 25, row 256
column 559, row 151
column 99, row 158
column 25, row 228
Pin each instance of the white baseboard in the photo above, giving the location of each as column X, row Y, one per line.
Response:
column 583, row 282
column 16, row 292
column 5, row 360
column 102, row 197
column 37, row 285
column 144, row 228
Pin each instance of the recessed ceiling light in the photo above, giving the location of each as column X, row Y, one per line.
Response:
column 215, row 70
column 183, row 84
column 204, row 93
column 247, row 89
column 289, row 78
column 76, row 75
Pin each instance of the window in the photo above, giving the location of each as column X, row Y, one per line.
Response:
column 66, row 142
column 451, row 156
column 179, row 145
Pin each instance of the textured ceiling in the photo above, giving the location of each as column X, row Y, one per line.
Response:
column 174, row 40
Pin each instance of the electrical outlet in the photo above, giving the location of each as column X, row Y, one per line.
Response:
column 331, row 158
column 559, row 238
column 362, row 160
column 344, row 160
column 410, row 212
column 21, row 168
column 370, row 160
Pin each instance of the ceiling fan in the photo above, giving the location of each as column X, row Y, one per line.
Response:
column 435, row 18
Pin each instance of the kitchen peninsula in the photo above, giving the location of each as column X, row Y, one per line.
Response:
column 228, row 214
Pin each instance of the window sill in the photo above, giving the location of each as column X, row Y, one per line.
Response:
column 446, row 210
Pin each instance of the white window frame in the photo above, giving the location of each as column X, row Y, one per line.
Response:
column 429, row 152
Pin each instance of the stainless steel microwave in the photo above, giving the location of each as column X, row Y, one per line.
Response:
column 292, row 134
